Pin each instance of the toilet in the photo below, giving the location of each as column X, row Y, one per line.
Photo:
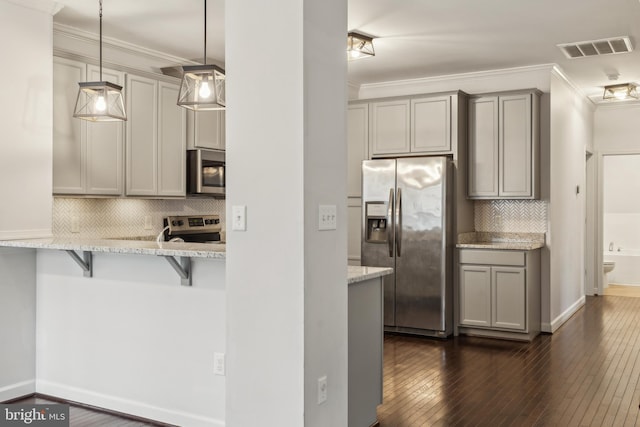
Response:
column 607, row 267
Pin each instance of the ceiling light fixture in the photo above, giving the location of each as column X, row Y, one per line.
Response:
column 203, row 86
column 620, row 91
column 100, row 101
column 359, row 46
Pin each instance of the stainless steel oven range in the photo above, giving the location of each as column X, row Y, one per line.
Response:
column 193, row 228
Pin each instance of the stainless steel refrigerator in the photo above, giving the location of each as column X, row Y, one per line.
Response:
column 406, row 225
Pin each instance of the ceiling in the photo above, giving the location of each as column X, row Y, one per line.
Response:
column 413, row 38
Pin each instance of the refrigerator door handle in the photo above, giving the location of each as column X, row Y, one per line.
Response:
column 399, row 222
column 389, row 222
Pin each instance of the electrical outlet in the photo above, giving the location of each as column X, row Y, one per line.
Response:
column 218, row 363
column 239, row 218
column 147, row 222
column 327, row 217
column 322, row 389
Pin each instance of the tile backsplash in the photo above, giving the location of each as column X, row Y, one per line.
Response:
column 98, row 218
column 517, row 216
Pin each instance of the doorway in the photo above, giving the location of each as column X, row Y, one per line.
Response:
column 619, row 219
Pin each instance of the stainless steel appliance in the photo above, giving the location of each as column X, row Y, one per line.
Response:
column 406, row 225
column 206, row 173
column 193, row 228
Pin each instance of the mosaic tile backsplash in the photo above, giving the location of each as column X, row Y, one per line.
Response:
column 515, row 216
column 97, row 218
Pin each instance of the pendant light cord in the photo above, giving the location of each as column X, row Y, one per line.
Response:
column 100, row 40
column 205, row 32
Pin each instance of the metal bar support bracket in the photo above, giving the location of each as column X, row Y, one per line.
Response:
column 183, row 268
column 85, row 263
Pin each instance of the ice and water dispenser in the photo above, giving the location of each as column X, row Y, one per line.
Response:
column 376, row 220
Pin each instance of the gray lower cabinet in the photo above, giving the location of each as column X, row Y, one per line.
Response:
column 499, row 293
column 365, row 329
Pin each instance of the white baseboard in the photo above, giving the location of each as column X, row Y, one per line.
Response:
column 563, row 317
column 125, row 406
column 13, row 391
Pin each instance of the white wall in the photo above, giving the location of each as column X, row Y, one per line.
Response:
column 131, row 338
column 18, row 320
column 286, row 281
column 26, row 119
column 571, row 133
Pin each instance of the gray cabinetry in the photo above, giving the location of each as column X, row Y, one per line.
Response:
column 499, row 293
column 155, row 148
column 390, row 127
column 87, row 157
column 357, row 151
column 206, row 129
column 417, row 125
column 504, row 146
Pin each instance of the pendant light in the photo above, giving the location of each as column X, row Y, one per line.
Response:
column 203, row 86
column 359, row 46
column 100, row 101
column 620, row 91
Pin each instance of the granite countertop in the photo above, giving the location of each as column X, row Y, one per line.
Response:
column 504, row 241
column 358, row 273
column 140, row 247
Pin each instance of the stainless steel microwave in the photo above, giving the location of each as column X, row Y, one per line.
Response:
column 206, row 173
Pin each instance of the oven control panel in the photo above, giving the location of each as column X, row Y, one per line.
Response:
column 193, row 224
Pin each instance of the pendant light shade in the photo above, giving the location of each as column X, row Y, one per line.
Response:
column 359, row 46
column 620, row 91
column 100, row 101
column 203, row 86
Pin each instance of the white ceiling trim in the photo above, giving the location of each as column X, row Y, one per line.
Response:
column 117, row 45
column 47, row 6
column 460, row 76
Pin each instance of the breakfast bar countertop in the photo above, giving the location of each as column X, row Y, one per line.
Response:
column 140, row 247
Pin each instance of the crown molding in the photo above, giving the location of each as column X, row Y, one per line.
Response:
column 47, row 6
column 73, row 33
column 460, row 76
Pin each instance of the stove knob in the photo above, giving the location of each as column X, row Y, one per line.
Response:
column 175, row 222
column 180, row 223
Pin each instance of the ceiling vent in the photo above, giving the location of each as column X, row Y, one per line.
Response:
column 597, row 47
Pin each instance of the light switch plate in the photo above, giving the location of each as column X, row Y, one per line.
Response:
column 239, row 218
column 218, row 364
column 327, row 217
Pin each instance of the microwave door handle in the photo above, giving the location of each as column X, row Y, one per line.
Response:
column 389, row 223
column 398, row 224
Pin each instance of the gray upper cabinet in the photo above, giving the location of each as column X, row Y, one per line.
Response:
column 206, row 129
column 357, row 146
column 156, row 143
column 504, row 146
column 172, row 139
column 142, row 136
column 431, row 124
column 390, row 127
column 87, row 157
column 418, row 125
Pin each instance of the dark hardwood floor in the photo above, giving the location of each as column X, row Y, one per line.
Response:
column 586, row 374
